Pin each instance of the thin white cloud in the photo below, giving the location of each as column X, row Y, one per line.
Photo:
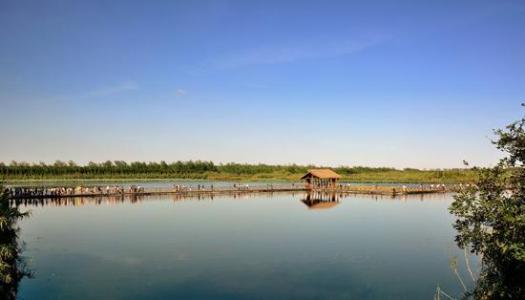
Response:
column 287, row 54
column 114, row 89
column 82, row 95
column 181, row 92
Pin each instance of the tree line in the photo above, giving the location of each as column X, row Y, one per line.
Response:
column 209, row 170
column 118, row 167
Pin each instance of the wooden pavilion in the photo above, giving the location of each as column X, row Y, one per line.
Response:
column 321, row 179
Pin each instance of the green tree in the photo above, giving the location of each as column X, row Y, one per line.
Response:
column 12, row 269
column 491, row 220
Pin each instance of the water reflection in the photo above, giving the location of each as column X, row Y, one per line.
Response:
column 238, row 246
column 121, row 199
column 314, row 200
column 320, row 200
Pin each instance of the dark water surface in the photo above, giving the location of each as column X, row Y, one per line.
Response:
column 253, row 247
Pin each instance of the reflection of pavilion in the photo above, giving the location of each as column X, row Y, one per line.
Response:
column 320, row 200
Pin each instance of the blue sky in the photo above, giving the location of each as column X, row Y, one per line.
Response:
column 377, row 83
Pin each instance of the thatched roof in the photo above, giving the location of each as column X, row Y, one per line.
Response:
column 322, row 173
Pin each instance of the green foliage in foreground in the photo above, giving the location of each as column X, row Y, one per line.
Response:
column 491, row 220
column 11, row 266
column 209, row 170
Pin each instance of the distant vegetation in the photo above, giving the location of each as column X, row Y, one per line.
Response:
column 209, row 170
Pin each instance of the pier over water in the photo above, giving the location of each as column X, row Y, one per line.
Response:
column 18, row 192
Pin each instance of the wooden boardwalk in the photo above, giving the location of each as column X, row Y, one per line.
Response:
column 347, row 189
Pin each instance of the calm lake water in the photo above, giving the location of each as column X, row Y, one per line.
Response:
column 252, row 247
